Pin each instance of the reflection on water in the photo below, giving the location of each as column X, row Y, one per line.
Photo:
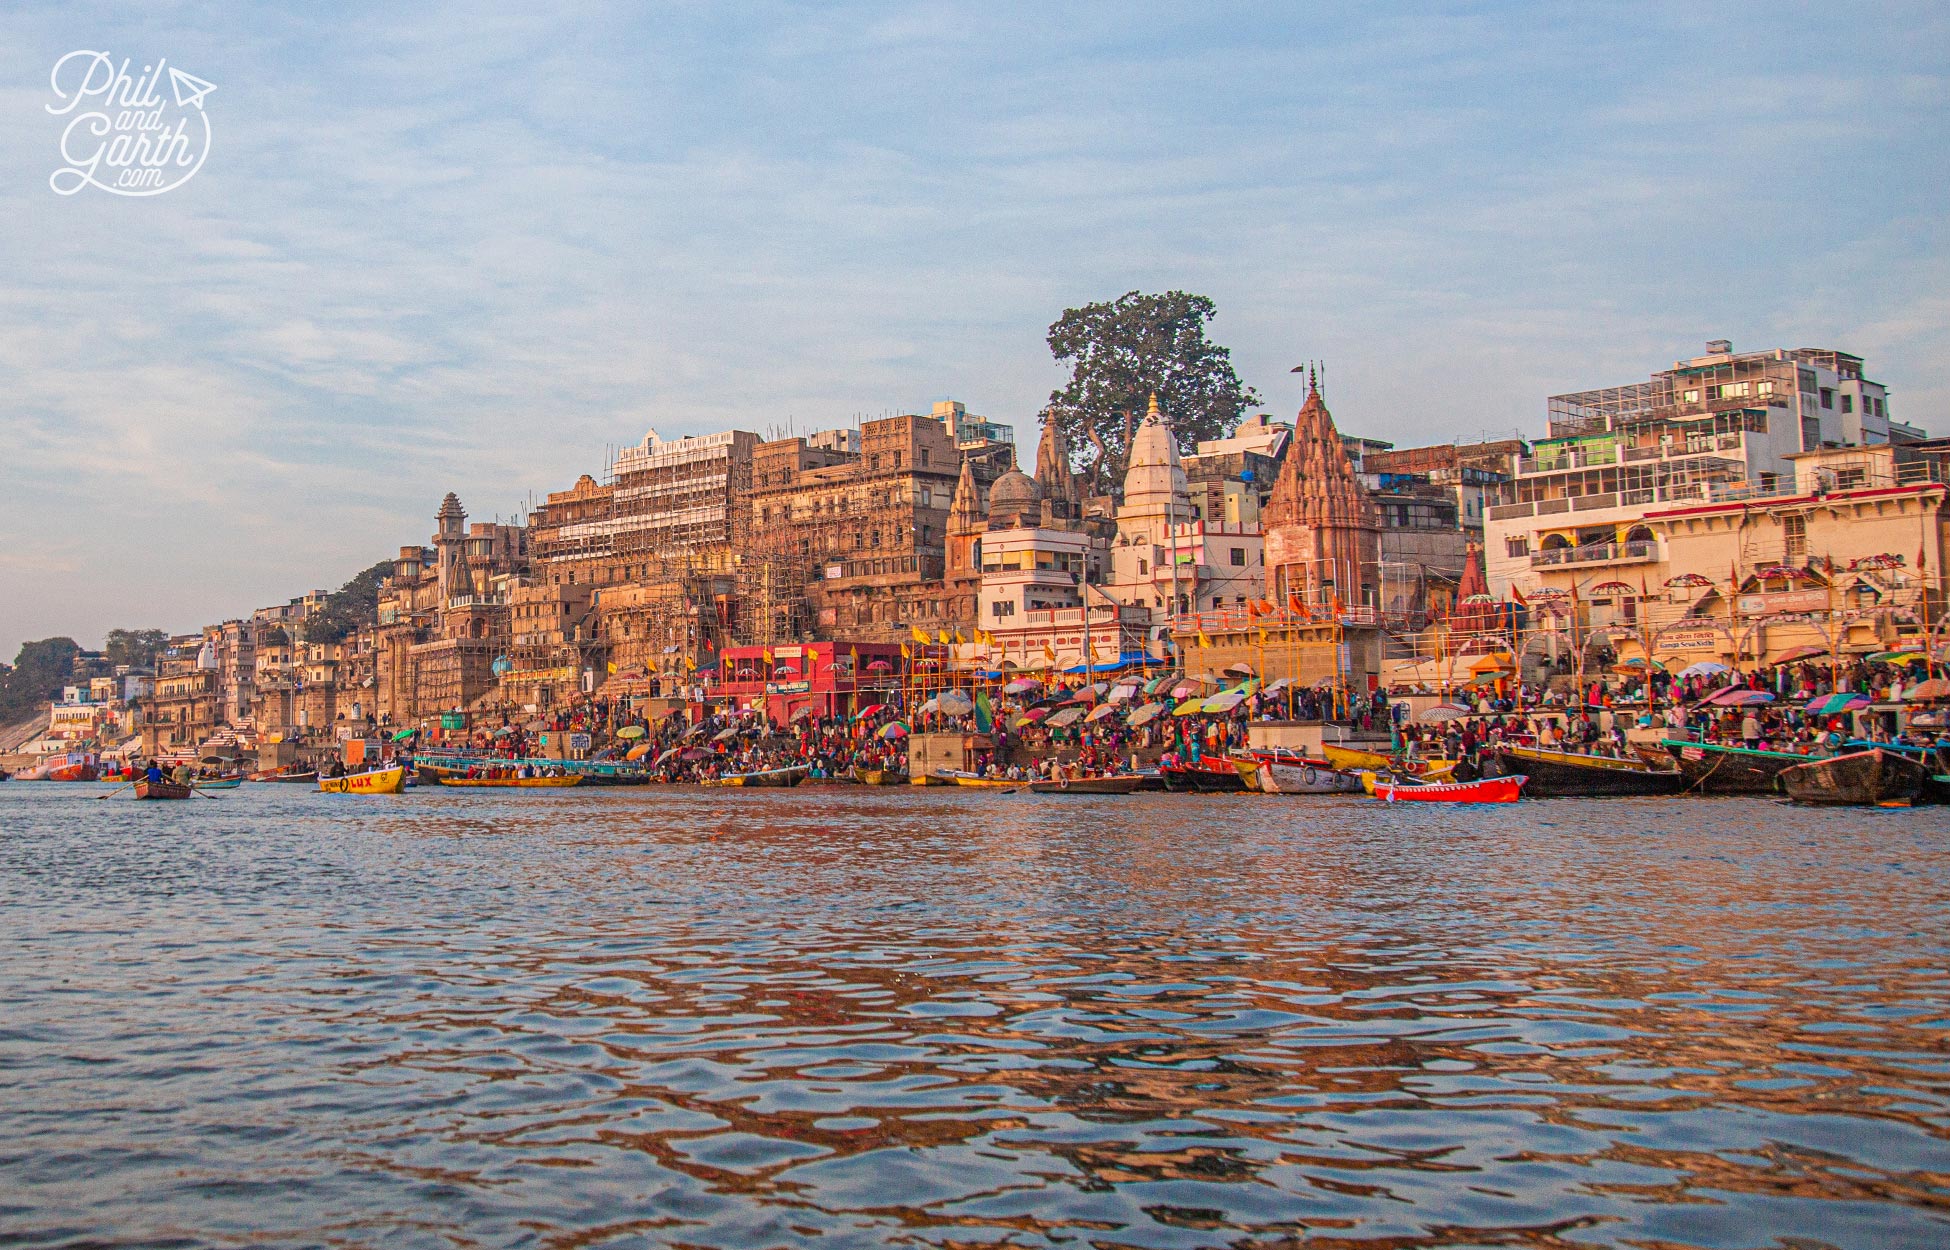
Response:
column 855, row 1017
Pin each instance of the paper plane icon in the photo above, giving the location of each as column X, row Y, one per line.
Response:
column 189, row 89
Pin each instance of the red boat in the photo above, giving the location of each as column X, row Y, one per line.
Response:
column 1213, row 773
column 1488, row 790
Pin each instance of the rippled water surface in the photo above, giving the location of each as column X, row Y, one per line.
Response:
column 868, row 1017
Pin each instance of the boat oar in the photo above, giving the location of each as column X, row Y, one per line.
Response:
column 117, row 790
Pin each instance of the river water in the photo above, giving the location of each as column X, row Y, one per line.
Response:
column 846, row 1017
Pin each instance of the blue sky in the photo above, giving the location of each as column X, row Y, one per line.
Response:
column 468, row 247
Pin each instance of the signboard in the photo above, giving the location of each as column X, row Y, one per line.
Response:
column 450, row 720
column 1783, row 601
column 788, row 687
column 579, row 742
column 1688, row 640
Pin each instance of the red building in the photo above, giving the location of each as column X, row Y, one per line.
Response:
column 831, row 678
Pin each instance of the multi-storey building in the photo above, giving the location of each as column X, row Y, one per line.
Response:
column 1719, row 427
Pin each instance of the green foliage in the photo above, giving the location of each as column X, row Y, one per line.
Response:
column 1122, row 352
column 138, row 647
column 350, row 606
column 39, row 672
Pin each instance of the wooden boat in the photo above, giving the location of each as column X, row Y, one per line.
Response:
column 1351, row 760
column 1282, row 773
column 880, row 777
column 976, row 781
column 380, row 781
column 1248, row 769
column 1488, row 790
column 515, row 783
column 160, row 790
column 307, row 776
column 1210, row 775
column 772, row 778
column 1863, row 778
column 1125, row 784
column 942, row 778
column 1567, row 774
column 1714, row 769
column 219, row 783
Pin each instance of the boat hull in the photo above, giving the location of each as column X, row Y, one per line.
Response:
column 1304, row 776
column 160, row 790
column 381, row 781
column 1713, row 769
column 1564, row 774
column 986, row 783
column 1089, row 785
column 770, row 779
column 879, row 777
column 1488, row 790
column 1863, row 778
column 1208, row 776
column 514, row 783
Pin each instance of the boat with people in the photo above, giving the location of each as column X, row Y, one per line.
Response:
column 1285, row 772
column 1868, row 778
column 1571, row 774
column 976, row 781
column 146, row 789
column 1715, row 768
column 378, row 781
column 558, row 782
column 1484, row 790
column 775, row 778
column 1125, row 783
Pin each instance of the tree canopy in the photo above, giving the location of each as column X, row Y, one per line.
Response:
column 1123, row 351
column 138, row 647
column 354, row 604
column 39, row 672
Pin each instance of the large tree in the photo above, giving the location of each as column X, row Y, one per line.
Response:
column 354, row 604
column 1122, row 352
column 138, row 647
column 39, row 672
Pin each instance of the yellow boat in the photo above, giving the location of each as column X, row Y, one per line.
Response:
column 1438, row 771
column 524, row 783
column 379, row 781
column 1248, row 769
column 1351, row 760
column 986, row 783
column 931, row 779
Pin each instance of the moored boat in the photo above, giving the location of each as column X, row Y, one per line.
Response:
column 880, row 777
column 219, row 783
column 520, row 783
column 942, row 778
column 1568, row 774
column 1711, row 768
column 1351, row 760
column 379, row 781
column 1487, row 790
column 306, row 776
column 773, row 778
column 160, row 790
column 1209, row 775
column 975, row 781
column 1281, row 773
column 1124, row 784
column 1861, row 778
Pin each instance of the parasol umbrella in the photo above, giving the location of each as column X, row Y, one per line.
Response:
column 931, row 705
column 880, row 666
column 891, row 730
column 403, row 735
column 1925, row 691
column 1101, row 710
column 537, row 726
column 1689, row 581
column 802, row 712
column 503, row 732
column 1704, row 668
column 1792, row 654
column 1224, row 701
column 1442, row 712
column 694, row 754
column 1240, row 670
column 1146, row 713
column 1022, row 685
column 1739, row 696
column 725, row 735
column 630, row 733
column 1905, row 656
column 1190, row 707
column 1068, row 716
column 637, row 752
column 955, row 703
column 696, row 729
column 1837, row 703
column 870, row 710
column 1122, row 693
column 1083, row 694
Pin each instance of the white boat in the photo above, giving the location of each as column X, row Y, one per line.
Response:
column 1280, row 773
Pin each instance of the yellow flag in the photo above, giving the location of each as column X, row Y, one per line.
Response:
column 1049, row 651
column 959, row 640
column 768, row 656
column 853, row 653
column 905, row 653
column 612, row 668
column 920, row 635
column 944, row 636
column 1203, row 641
column 690, row 664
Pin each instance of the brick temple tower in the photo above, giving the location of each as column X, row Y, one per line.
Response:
column 1323, row 537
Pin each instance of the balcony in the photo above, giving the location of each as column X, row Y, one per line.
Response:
column 1596, row 553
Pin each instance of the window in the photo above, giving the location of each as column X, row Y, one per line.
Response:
column 1691, row 397
column 1518, row 547
column 1796, row 532
column 1848, row 403
column 1000, row 609
column 1238, row 557
column 1828, row 397
column 1144, row 567
column 1851, row 479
